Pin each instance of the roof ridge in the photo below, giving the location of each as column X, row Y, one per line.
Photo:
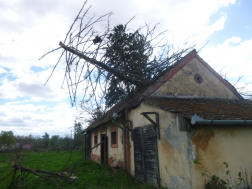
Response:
column 189, row 97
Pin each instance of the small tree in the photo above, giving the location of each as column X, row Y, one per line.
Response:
column 46, row 136
column 7, row 139
column 53, row 142
column 46, row 140
column 39, row 142
column 78, row 138
column 95, row 114
column 67, row 142
column 77, row 128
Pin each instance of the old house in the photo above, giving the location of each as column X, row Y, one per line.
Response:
column 190, row 113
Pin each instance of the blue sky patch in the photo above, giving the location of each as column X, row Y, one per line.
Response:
column 37, row 69
column 237, row 24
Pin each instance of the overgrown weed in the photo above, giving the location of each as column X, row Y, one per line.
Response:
column 223, row 183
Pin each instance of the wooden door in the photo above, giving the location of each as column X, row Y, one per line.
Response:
column 88, row 145
column 145, row 154
column 104, row 149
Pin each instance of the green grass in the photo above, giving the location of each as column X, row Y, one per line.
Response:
column 89, row 174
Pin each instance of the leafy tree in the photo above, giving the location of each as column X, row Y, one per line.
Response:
column 78, row 137
column 129, row 53
column 7, row 138
column 46, row 136
column 54, row 141
column 67, row 142
column 95, row 114
column 77, row 128
column 46, row 140
column 39, row 142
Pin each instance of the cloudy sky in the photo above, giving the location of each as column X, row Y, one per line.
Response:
column 29, row 29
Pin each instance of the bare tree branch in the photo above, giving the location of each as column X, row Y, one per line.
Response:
column 88, row 67
column 45, row 174
column 101, row 65
column 49, row 53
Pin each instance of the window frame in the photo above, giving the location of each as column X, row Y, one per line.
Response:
column 113, row 137
column 113, row 129
column 95, row 137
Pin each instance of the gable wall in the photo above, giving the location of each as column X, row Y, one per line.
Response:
column 183, row 83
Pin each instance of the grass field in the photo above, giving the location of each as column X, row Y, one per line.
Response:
column 89, row 174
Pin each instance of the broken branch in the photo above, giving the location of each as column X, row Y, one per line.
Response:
column 100, row 64
column 46, row 174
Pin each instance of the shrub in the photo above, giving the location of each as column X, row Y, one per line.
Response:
column 220, row 183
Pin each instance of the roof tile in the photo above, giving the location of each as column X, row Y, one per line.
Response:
column 206, row 108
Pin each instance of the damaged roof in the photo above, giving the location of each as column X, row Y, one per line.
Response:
column 206, row 108
column 135, row 99
column 127, row 103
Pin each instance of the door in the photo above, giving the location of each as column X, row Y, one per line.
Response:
column 145, row 154
column 104, row 149
column 88, row 145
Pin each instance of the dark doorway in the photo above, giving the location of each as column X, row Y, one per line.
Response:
column 145, row 153
column 104, row 149
column 88, row 145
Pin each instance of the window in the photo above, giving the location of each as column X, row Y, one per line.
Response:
column 95, row 138
column 198, row 78
column 113, row 137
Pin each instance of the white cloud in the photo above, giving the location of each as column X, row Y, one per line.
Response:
column 31, row 28
column 32, row 85
column 236, row 59
column 25, row 107
column 20, row 49
column 24, row 119
column 184, row 18
column 2, row 70
column 11, row 15
column 232, row 40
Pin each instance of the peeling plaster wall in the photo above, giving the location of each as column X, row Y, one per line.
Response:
column 174, row 147
column 115, row 155
column 183, row 83
column 178, row 149
column 210, row 146
column 217, row 145
column 176, row 153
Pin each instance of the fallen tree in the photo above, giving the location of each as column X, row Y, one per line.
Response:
column 113, row 56
column 25, row 171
